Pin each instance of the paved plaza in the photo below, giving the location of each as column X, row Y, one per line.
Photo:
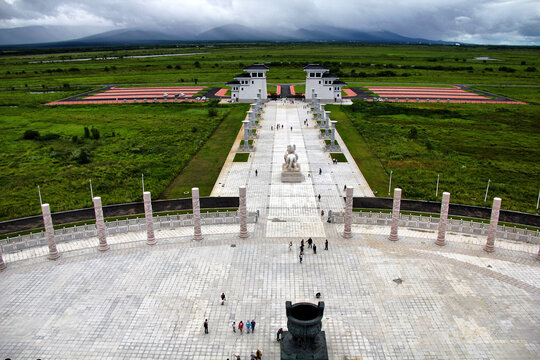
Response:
column 408, row 299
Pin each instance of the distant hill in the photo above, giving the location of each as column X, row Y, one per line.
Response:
column 45, row 34
column 240, row 33
column 67, row 36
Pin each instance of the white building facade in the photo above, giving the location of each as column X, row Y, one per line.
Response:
column 319, row 81
column 247, row 85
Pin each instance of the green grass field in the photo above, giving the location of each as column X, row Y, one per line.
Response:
column 466, row 144
column 178, row 146
column 157, row 140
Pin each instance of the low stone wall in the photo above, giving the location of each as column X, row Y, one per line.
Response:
column 434, row 207
column 123, row 226
column 428, row 222
column 136, row 208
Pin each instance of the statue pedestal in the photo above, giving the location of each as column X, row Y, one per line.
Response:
column 291, row 176
column 291, row 350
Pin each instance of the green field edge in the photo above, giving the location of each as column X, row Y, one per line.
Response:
column 203, row 169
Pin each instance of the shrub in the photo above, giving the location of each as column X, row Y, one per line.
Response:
column 48, row 137
column 197, row 64
column 530, row 69
column 95, row 133
column 86, row 132
column 30, row 134
column 413, row 133
column 81, row 156
column 212, row 112
column 75, row 139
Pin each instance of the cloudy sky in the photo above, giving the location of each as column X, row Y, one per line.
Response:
column 473, row 21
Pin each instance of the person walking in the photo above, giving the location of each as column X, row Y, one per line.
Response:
column 314, row 249
column 259, row 354
column 319, row 197
column 205, row 326
column 290, row 245
column 320, row 171
column 248, row 326
column 234, row 326
column 326, row 245
column 241, row 327
column 322, row 212
column 301, row 256
column 279, row 334
column 253, row 326
column 253, row 356
column 256, row 172
column 222, row 298
column 309, row 242
column 302, row 242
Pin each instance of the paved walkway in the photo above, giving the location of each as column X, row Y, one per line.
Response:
column 407, row 299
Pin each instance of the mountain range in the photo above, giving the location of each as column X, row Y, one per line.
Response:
column 71, row 36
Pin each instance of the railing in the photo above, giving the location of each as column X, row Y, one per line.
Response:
column 122, row 226
column 429, row 222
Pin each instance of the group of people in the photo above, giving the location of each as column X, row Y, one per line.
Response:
column 249, row 325
column 255, row 355
column 311, row 244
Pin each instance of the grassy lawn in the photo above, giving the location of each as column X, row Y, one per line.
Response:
column 340, row 157
column 203, row 170
column 367, row 161
column 466, row 144
column 300, row 89
column 241, row 157
column 272, row 89
column 157, row 140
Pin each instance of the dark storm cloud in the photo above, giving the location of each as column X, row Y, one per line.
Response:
column 482, row 21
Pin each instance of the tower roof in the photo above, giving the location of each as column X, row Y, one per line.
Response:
column 257, row 67
column 330, row 76
column 243, row 75
column 234, row 82
column 315, row 67
column 339, row 82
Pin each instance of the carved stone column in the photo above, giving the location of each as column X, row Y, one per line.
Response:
column 242, row 209
column 149, row 217
column 197, row 234
column 395, row 215
column 49, row 231
column 100, row 224
column 2, row 263
column 492, row 233
column 444, row 219
column 246, row 134
column 348, row 213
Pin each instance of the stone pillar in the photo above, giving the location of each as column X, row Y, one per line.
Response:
column 333, row 134
column 2, row 263
column 49, row 231
column 100, row 224
column 148, row 215
column 250, row 118
column 242, row 209
column 197, row 234
column 395, row 215
column 326, row 118
column 444, row 218
column 348, row 212
column 246, row 134
column 492, row 233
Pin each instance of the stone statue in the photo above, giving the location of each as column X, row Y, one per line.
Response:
column 291, row 168
column 291, row 158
